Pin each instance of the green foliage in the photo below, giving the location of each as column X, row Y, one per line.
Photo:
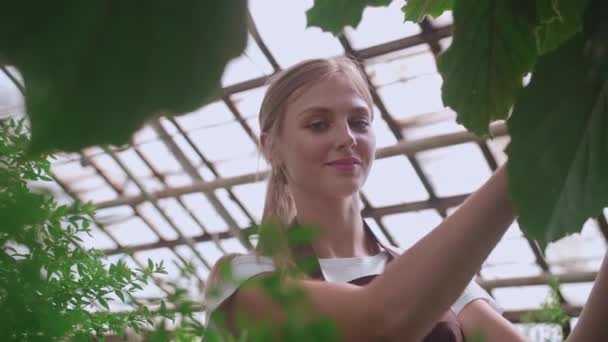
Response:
column 334, row 15
column 560, row 20
column 416, row 10
column 48, row 283
column 94, row 71
column 557, row 123
column 551, row 311
column 493, row 48
column 558, row 129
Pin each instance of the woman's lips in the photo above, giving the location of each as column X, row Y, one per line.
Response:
column 345, row 164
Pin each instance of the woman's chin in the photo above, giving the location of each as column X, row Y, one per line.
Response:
column 342, row 189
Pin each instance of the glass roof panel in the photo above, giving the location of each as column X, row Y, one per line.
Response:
column 444, row 19
column 401, row 65
column 144, row 134
column 72, row 170
column 497, row 147
column 134, row 163
column 112, row 215
column 99, row 194
column 252, row 196
column 188, row 150
column 455, row 170
column 178, row 180
column 182, row 220
column 11, row 100
column 511, row 251
column 148, row 212
column 408, row 228
column 132, row 232
column 445, row 43
column 235, row 212
column 249, row 102
column 381, row 189
column 223, row 142
column 576, row 294
column 384, row 135
column 233, row 245
column 390, row 18
column 201, row 208
column 506, row 271
column 97, row 239
column 373, row 225
column 209, row 250
column 521, row 297
column 251, row 64
column 417, row 95
column 251, row 163
column 159, row 156
column 434, row 129
column 211, row 115
column 577, row 252
column 280, row 31
column 187, row 254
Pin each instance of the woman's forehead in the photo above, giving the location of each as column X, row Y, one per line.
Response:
column 336, row 91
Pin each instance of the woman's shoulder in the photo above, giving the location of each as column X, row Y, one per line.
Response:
column 241, row 265
column 229, row 272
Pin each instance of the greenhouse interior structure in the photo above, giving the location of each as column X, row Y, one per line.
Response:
column 186, row 187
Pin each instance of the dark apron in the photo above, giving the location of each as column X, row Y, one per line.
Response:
column 447, row 329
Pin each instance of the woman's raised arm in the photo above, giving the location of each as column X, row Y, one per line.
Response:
column 417, row 287
column 444, row 261
column 591, row 325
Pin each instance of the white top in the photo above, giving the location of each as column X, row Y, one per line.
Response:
column 336, row 270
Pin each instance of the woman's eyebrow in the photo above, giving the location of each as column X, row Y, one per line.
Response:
column 315, row 110
column 361, row 110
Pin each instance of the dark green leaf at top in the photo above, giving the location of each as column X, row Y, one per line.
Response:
column 558, row 164
column 492, row 49
column 559, row 20
column 333, row 15
column 95, row 71
column 415, row 10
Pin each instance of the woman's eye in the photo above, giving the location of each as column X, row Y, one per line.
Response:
column 361, row 124
column 317, row 125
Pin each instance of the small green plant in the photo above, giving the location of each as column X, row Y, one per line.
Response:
column 551, row 311
column 51, row 288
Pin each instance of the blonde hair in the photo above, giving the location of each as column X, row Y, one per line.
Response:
column 279, row 207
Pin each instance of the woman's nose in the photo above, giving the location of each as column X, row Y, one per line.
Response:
column 346, row 138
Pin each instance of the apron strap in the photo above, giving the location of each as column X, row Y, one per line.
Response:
column 305, row 251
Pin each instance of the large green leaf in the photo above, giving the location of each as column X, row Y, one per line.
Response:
column 493, row 48
column 559, row 20
column 333, row 15
column 558, row 163
column 415, row 10
column 95, row 70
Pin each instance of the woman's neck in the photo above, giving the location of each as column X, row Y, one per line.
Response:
column 342, row 229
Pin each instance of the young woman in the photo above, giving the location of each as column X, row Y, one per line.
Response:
column 316, row 134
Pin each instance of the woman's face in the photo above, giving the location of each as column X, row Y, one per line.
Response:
column 327, row 144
